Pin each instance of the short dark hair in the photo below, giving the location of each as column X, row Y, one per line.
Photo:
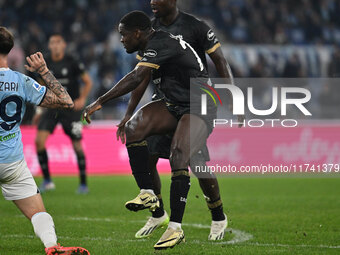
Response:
column 56, row 34
column 136, row 20
column 6, row 41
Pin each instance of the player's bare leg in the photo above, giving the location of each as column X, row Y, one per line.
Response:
column 40, row 143
column 78, row 149
column 209, row 185
column 33, row 208
column 30, row 206
column 153, row 118
column 185, row 143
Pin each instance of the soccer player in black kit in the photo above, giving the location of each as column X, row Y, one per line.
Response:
column 201, row 37
column 176, row 62
column 68, row 71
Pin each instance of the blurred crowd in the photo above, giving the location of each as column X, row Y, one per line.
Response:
column 90, row 28
column 272, row 21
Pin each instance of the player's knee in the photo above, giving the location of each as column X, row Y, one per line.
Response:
column 129, row 130
column 197, row 162
column 78, row 148
column 39, row 143
column 178, row 159
column 132, row 132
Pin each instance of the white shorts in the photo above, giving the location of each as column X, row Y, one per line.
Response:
column 16, row 181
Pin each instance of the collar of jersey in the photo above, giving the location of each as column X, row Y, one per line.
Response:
column 4, row 68
column 179, row 14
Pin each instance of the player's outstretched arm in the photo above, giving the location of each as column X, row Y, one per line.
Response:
column 128, row 83
column 224, row 71
column 56, row 95
column 136, row 96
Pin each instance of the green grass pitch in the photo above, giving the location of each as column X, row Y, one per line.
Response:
column 270, row 215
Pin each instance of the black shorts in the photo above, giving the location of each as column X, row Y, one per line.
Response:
column 160, row 145
column 70, row 121
column 178, row 111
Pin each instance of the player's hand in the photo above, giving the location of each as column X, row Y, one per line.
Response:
column 121, row 129
column 79, row 104
column 36, row 63
column 240, row 118
column 89, row 110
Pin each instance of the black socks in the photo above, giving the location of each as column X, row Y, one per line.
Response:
column 180, row 185
column 43, row 161
column 216, row 209
column 139, row 155
column 82, row 167
column 159, row 212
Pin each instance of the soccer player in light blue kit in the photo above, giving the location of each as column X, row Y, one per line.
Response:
column 16, row 181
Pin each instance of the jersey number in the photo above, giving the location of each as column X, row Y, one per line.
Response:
column 184, row 45
column 10, row 121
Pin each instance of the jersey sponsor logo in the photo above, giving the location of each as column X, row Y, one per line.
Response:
column 157, row 81
column 210, row 35
column 7, row 137
column 38, row 87
column 8, row 86
column 150, row 53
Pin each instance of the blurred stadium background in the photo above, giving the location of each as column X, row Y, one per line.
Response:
column 260, row 38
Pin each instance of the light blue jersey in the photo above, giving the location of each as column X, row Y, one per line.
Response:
column 16, row 90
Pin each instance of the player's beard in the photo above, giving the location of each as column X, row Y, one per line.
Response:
column 131, row 50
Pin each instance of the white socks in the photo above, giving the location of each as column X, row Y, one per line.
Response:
column 147, row 191
column 175, row 225
column 43, row 226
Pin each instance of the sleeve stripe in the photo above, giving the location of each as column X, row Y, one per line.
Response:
column 43, row 97
column 213, row 49
column 138, row 57
column 148, row 64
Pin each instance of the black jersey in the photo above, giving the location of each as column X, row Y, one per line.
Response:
column 67, row 71
column 176, row 62
column 192, row 30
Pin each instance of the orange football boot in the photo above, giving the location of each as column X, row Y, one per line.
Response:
column 54, row 250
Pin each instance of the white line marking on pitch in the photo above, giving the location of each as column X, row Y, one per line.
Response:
column 296, row 245
column 106, row 239
column 239, row 239
column 239, row 236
